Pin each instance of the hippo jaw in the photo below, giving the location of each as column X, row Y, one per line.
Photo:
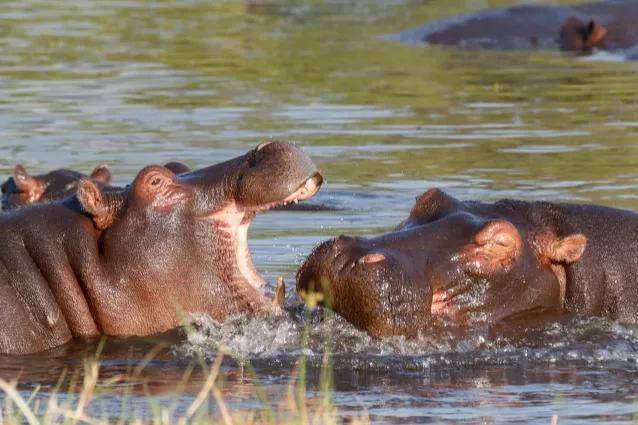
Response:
column 234, row 219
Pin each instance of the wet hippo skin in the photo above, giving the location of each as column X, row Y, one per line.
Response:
column 609, row 25
column 134, row 261
column 474, row 262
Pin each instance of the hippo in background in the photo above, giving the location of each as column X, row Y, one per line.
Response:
column 473, row 263
column 136, row 260
column 608, row 25
column 23, row 189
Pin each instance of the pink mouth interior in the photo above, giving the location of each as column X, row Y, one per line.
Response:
column 234, row 220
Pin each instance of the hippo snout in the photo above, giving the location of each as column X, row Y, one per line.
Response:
column 368, row 286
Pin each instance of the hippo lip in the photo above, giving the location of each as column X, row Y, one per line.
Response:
column 305, row 191
column 234, row 220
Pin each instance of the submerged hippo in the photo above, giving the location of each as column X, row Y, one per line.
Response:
column 133, row 262
column 609, row 25
column 23, row 189
column 474, row 261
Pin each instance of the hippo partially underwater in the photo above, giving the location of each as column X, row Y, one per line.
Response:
column 23, row 189
column 608, row 25
column 134, row 261
column 474, row 262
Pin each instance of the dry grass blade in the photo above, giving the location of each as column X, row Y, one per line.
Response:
column 13, row 394
column 91, row 368
column 223, row 410
column 206, row 389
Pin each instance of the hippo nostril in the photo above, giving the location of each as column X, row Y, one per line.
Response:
column 315, row 181
column 371, row 258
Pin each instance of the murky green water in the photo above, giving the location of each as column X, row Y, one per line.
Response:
column 130, row 83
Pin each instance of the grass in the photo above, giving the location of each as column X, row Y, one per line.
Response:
column 75, row 399
column 207, row 406
column 294, row 407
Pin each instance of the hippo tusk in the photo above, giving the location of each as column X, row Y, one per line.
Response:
column 280, row 292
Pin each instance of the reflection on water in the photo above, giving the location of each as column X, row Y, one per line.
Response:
column 132, row 83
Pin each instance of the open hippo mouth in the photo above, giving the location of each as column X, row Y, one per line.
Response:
column 234, row 220
column 242, row 252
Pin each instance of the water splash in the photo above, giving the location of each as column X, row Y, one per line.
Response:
column 592, row 341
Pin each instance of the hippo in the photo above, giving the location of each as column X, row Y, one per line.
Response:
column 607, row 25
column 135, row 261
column 23, row 189
column 59, row 184
column 470, row 262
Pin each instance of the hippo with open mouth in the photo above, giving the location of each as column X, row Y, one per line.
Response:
column 473, row 262
column 134, row 261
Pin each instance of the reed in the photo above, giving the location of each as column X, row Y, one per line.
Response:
column 56, row 407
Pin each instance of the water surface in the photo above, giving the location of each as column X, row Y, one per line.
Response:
column 131, row 83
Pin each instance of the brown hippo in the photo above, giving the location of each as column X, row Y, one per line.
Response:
column 134, row 261
column 473, row 261
column 23, row 189
column 608, row 25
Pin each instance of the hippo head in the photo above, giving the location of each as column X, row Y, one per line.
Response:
column 23, row 189
column 464, row 261
column 184, row 237
column 576, row 35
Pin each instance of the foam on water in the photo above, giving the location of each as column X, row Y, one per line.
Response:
column 592, row 341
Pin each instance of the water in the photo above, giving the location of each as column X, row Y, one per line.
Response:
column 130, row 83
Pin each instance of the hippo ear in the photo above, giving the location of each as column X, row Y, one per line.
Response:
column 177, row 167
column 92, row 200
column 32, row 186
column 428, row 207
column 568, row 249
column 101, row 174
column 594, row 34
column 495, row 249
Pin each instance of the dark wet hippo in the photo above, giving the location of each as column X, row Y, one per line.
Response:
column 474, row 261
column 134, row 261
column 609, row 25
column 23, row 189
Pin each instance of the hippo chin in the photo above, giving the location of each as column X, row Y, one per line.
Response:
column 134, row 261
column 480, row 262
column 608, row 25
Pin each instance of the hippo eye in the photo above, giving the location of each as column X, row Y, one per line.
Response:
column 155, row 181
